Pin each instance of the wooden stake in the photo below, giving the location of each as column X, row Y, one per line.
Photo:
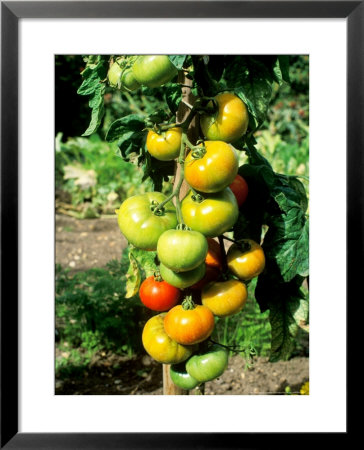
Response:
column 169, row 388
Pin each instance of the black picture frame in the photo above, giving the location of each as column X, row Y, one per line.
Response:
column 11, row 12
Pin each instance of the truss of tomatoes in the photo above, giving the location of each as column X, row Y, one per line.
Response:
column 191, row 260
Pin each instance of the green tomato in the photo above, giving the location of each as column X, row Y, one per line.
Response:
column 182, row 250
column 153, row 70
column 114, row 75
column 181, row 378
column 182, row 280
column 208, row 365
column 128, row 81
column 212, row 216
column 138, row 222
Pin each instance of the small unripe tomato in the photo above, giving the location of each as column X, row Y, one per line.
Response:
column 182, row 280
column 189, row 326
column 212, row 168
column 246, row 261
column 158, row 295
column 229, row 123
column 181, row 377
column 240, row 189
column 114, row 75
column 224, row 298
column 182, row 250
column 166, row 145
column 160, row 346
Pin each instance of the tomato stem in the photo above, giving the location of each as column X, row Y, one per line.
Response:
column 223, row 254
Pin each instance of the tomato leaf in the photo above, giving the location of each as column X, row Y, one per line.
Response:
column 251, row 80
column 177, row 60
column 93, row 85
column 133, row 277
column 133, row 123
column 173, row 95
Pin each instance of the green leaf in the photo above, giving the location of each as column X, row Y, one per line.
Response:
column 284, row 67
column 286, row 318
column 133, row 123
column 133, row 277
column 93, row 84
column 177, row 60
column 96, row 103
column 173, row 95
column 287, row 239
column 142, row 264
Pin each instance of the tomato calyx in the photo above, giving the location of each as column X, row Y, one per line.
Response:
column 157, row 208
column 157, row 276
column 196, row 197
column 188, row 303
column 183, row 227
column 198, row 152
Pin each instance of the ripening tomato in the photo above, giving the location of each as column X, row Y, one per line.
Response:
column 229, row 123
column 139, row 222
column 212, row 216
column 240, row 189
column 224, row 298
column 246, row 261
column 181, row 377
column 154, row 70
column 189, row 326
column 160, row 346
column 209, row 364
column 182, row 250
column 182, row 280
column 158, row 295
column 212, row 169
column 166, row 145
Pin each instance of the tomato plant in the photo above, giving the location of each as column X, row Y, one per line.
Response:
column 157, row 294
column 201, row 149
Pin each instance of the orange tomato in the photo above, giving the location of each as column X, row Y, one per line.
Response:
column 189, row 326
column 224, row 298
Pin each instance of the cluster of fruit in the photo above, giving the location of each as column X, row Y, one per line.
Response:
column 196, row 279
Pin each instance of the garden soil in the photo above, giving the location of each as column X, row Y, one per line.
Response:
column 82, row 244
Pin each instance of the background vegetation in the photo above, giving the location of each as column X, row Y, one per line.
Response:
column 92, row 314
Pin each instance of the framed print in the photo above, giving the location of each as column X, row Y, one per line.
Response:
column 32, row 33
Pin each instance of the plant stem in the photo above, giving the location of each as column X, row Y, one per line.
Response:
column 223, row 254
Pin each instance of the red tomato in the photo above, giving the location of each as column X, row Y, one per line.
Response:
column 158, row 295
column 240, row 189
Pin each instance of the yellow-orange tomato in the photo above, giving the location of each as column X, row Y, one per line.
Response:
column 229, row 123
column 166, row 145
column 224, row 298
column 214, row 169
column 246, row 261
column 160, row 346
column 189, row 326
